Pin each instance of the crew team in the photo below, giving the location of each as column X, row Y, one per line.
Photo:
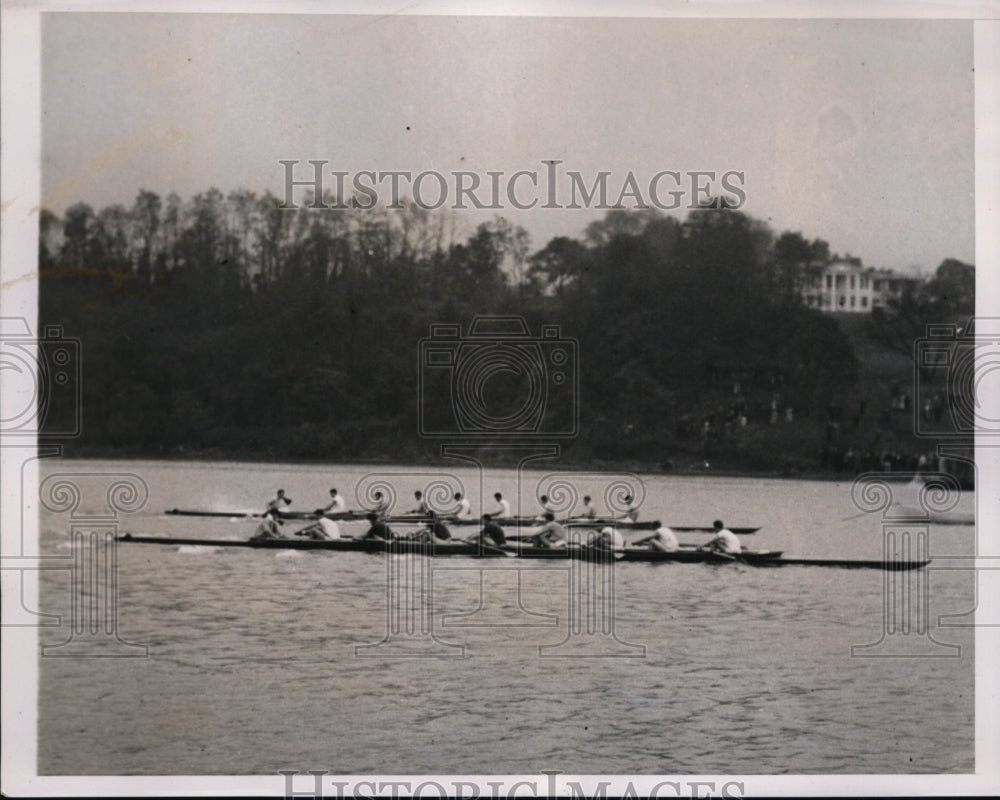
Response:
column 552, row 534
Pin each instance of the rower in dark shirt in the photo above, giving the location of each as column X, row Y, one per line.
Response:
column 378, row 529
column 437, row 529
column 492, row 533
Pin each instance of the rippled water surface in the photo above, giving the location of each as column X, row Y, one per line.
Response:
column 252, row 665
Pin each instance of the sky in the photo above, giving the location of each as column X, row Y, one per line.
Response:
column 859, row 132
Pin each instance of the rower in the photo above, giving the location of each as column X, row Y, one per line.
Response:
column 492, row 534
column 663, row 539
column 503, row 512
column 438, row 529
column 378, row 530
column 546, row 508
column 422, row 508
column 464, row 507
column 268, row 528
column 336, row 504
column 279, row 502
column 588, row 510
column 725, row 540
column 632, row 511
column 609, row 539
column 435, row 531
column 552, row 533
column 381, row 504
column 321, row 529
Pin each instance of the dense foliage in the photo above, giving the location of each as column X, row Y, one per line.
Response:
column 226, row 325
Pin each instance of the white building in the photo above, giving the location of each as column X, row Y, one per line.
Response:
column 846, row 285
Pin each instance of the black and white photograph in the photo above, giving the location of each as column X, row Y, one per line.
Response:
column 567, row 400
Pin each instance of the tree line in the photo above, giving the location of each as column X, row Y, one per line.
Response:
column 225, row 325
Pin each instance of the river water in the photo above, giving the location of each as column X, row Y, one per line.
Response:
column 258, row 661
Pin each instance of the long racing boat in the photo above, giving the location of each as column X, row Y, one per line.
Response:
column 522, row 550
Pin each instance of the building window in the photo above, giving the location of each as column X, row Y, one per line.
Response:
column 829, row 281
column 852, row 284
column 864, row 302
column 852, row 298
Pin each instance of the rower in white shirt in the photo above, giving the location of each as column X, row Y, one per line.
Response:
column 552, row 533
column 422, row 507
column 725, row 540
column 663, row 539
column 503, row 511
column 321, row 529
column 464, row 507
column 632, row 511
column 269, row 527
column 588, row 510
column 279, row 502
column 336, row 504
column 609, row 539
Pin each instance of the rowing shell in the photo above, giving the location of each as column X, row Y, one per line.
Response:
column 476, row 550
column 437, row 548
column 345, row 516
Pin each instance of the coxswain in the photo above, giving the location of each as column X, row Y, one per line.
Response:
column 322, row 529
column 336, row 504
column 378, row 530
column 492, row 534
column 588, row 510
column 503, row 510
column 269, row 527
column 464, row 508
column 422, row 508
column 552, row 533
column 725, row 540
column 663, row 539
column 279, row 502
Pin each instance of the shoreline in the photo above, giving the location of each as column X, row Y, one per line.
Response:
column 640, row 468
